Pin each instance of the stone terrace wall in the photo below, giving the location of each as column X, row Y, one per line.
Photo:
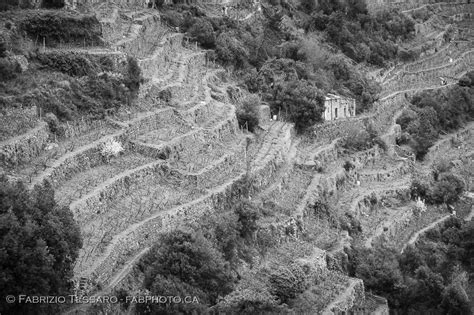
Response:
column 364, row 204
column 165, row 52
column 146, row 233
column 188, row 142
column 428, row 78
column 153, row 121
column 445, row 144
column 440, row 58
column 341, row 128
column 352, row 297
column 78, row 161
column 377, row 5
column 24, row 147
column 98, row 200
column 400, row 169
column 144, row 36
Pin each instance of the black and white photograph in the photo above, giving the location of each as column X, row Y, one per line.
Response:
column 236, row 157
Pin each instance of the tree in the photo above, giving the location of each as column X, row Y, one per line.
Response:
column 247, row 114
column 186, row 264
column 247, row 218
column 134, row 76
column 300, row 102
column 448, row 188
column 203, row 32
column 455, row 301
column 230, row 50
column 39, row 245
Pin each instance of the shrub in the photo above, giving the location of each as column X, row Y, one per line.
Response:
column 358, row 142
column 3, row 49
column 420, row 189
column 8, row 70
column 348, row 166
column 247, row 217
column 288, row 282
column 133, row 78
column 252, row 296
column 73, row 64
column 247, row 114
column 62, row 27
column 111, row 148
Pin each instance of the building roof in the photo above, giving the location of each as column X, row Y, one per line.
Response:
column 331, row 96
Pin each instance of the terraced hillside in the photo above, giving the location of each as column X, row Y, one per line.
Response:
column 185, row 157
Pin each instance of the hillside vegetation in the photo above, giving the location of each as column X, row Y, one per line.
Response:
column 140, row 158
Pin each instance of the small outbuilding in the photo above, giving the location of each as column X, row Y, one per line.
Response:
column 338, row 107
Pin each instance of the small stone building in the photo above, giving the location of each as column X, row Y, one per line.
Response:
column 338, row 107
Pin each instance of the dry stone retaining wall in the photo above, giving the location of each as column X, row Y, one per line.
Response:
column 430, row 77
column 78, row 161
column 440, row 58
column 99, row 200
column 189, row 142
column 165, row 52
column 25, row 147
column 445, row 144
column 340, row 128
column 147, row 232
column 152, row 122
column 378, row 5
column 401, row 169
column 365, row 203
column 353, row 296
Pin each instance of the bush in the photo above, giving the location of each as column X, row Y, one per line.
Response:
column 288, row 282
column 133, row 77
column 348, row 166
column 8, row 70
column 247, row 217
column 111, row 148
column 62, row 27
column 73, row 64
column 247, row 114
column 3, row 49
column 420, row 189
column 362, row 140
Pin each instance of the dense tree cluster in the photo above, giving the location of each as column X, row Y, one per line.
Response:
column 272, row 61
column 39, row 244
column 434, row 112
column 428, row 278
column 201, row 261
column 361, row 36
